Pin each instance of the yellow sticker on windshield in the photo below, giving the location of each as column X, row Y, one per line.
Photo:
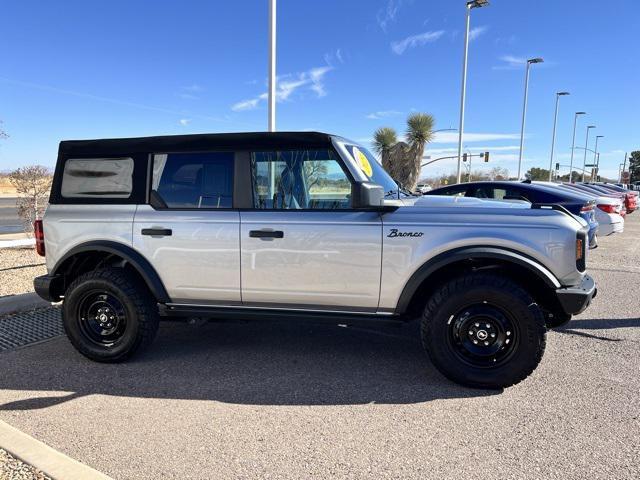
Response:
column 363, row 162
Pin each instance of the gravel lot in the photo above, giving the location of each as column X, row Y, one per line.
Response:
column 13, row 469
column 251, row 400
column 16, row 270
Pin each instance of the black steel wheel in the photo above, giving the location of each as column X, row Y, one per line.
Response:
column 101, row 317
column 483, row 330
column 109, row 315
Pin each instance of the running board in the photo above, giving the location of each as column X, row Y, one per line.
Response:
column 259, row 313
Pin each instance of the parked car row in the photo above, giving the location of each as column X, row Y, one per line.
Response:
column 602, row 206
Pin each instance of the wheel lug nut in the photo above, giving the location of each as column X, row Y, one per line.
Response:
column 475, row 342
column 470, row 332
column 508, row 332
column 486, row 343
column 488, row 326
column 477, row 324
column 493, row 335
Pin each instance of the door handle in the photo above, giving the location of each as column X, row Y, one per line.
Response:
column 266, row 233
column 157, row 232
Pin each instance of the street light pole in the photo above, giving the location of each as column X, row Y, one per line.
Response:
column 470, row 5
column 573, row 143
column 272, row 66
column 586, row 143
column 596, row 155
column 553, row 137
column 524, row 110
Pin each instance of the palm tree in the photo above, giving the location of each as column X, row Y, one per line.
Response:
column 402, row 159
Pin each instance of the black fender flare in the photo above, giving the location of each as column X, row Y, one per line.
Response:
column 470, row 253
column 133, row 257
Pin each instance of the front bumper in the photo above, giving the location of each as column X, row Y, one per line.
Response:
column 576, row 299
column 49, row 287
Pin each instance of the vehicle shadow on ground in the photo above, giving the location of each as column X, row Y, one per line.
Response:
column 573, row 326
column 243, row 363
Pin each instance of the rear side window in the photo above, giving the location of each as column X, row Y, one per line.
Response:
column 193, row 180
column 97, row 178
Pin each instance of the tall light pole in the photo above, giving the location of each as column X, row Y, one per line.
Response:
column 470, row 5
column 553, row 137
column 272, row 66
column 524, row 109
column 596, row 155
column 573, row 143
column 586, row 143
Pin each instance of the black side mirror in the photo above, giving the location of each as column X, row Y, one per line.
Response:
column 367, row 195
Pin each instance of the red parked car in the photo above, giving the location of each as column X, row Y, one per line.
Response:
column 631, row 197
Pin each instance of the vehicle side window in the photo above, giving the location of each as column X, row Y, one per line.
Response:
column 456, row 191
column 97, row 178
column 299, row 179
column 194, row 180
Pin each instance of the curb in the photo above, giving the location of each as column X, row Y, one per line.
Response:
column 20, row 242
column 49, row 461
column 20, row 303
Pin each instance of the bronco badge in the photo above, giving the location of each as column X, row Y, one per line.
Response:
column 395, row 233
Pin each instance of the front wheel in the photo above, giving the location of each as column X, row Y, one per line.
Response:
column 483, row 330
column 108, row 315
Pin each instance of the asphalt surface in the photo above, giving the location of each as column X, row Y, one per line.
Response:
column 9, row 221
column 252, row 400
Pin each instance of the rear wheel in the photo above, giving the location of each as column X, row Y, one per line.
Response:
column 483, row 330
column 108, row 315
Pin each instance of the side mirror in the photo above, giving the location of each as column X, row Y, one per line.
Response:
column 367, row 195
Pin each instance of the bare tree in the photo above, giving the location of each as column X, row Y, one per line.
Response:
column 3, row 134
column 32, row 184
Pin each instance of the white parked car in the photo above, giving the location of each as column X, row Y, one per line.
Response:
column 607, row 210
column 423, row 188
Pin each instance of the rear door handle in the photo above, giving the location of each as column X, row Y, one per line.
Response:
column 266, row 233
column 157, row 232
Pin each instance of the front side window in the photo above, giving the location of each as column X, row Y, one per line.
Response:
column 299, row 179
column 97, row 178
column 193, row 180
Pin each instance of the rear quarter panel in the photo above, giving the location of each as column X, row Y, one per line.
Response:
column 66, row 226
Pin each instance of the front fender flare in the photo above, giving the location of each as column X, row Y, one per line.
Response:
column 469, row 253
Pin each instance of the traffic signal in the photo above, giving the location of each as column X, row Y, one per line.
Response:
column 486, row 157
column 464, row 157
column 557, row 166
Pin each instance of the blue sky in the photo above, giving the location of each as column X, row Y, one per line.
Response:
column 79, row 69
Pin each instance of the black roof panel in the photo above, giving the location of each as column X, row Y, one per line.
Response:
column 196, row 142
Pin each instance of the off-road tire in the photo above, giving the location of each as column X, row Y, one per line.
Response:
column 482, row 289
column 137, row 305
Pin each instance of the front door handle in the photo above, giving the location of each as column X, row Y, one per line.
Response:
column 157, row 232
column 266, row 233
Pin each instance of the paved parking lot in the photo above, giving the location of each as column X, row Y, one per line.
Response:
column 252, row 400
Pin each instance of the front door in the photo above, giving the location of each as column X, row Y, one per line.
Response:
column 302, row 245
column 190, row 233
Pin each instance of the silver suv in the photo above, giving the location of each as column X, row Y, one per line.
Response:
column 300, row 225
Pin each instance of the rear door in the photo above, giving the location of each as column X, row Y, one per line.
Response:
column 302, row 244
column 190, row 232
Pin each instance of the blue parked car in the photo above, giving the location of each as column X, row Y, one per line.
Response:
column 575, row 202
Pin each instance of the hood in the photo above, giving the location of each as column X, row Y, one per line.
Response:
column 441, row 201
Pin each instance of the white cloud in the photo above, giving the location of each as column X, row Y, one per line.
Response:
column 193, row 88
column 382, row 114
column 188, row 96
column 510, row 62
column 189, row 92
column 388, row 14
column 400, row 46
column 477, row 31
column 452, row 137
column 184, row 121
column 287, row 85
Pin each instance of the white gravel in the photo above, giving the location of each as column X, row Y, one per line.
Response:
column 18, row 267
column 13, row 469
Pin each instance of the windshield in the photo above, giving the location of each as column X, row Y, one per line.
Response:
column 376, row 173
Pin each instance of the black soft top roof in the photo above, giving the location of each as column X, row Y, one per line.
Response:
column 197, row 142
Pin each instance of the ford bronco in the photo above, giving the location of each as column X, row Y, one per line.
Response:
column 300, row 225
